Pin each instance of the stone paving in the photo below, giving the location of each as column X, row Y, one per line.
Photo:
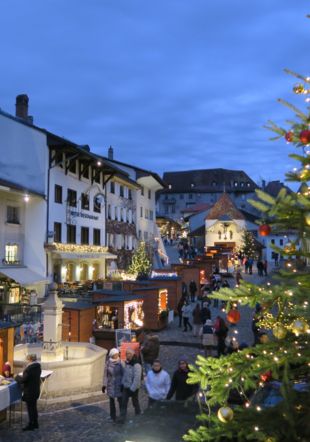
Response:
column 87, row 419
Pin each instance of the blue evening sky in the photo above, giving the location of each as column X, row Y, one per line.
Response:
column 170, row 84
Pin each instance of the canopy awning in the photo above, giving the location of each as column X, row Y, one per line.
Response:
column 23, row 276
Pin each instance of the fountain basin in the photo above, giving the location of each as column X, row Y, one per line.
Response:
column 81, row 371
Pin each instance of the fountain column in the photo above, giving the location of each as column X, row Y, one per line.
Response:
column 52, row 334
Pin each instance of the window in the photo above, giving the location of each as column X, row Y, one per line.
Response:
column 151, row 213
column 97, row 204
column 190, row 196
column 149, row 194
column 72, row 166
column 12, row 215
column 139, row 234
column 11, row 253
column 181, row 196
column 281, row 242
column 97, row 176
column 141, row 212
column 71, row 198
column 121, row 191
column 71, row 234
column 84, row 170
column 142, row 191
column 109, row 211
column 129, row 194
column 85, row 201
column 112, row 187
column 169, row 186
column 248, row 184
column 146, row 214
column 96, row 237
column 57, row 232
column 84, row 235
column 58, row 161
column 236, row 183
column 192, row 185
column 58, row 194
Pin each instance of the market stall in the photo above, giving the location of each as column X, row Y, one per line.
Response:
column 155, row 306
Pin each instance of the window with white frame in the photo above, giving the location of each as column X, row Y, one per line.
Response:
column 12, row 215
column 11, row 253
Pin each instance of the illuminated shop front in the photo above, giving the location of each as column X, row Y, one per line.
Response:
column 119, row 312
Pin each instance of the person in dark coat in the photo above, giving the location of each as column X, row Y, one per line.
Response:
column 221, row 332
column 112, row 381
column 179, row 386
column 31, row 381
column 192, row 290
column 179, row 308
column 205, row 312
column 150, row 351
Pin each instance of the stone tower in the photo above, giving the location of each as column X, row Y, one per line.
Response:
column 52, row 310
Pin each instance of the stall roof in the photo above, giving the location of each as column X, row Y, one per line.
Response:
column 124, row 298
column 166, row 278
column 79, row 305
column 5, row 324
column 111, row 292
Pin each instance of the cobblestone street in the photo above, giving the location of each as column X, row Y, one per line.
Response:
column 87, row 419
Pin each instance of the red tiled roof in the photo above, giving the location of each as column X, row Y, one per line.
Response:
column 224, row 207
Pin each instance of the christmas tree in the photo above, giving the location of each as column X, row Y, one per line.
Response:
column 281, row 361
column 140, row 263
column 248, row 247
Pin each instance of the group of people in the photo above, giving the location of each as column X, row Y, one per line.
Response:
column 123, row 380
column 186, row 251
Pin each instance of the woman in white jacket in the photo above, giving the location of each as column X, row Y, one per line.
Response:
column 157, row 383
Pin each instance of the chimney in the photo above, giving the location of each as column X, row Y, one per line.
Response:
column 22, row 108
column 263, row 184
column 110, row 153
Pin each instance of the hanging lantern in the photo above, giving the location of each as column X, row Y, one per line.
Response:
column 264, row 230
column 266, row 377
column 298, row 327
column 233, row 316
column 279, row 331
column 225, row 414
column 304, row 136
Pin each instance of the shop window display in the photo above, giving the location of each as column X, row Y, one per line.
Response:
column 107, row 317
column 134, row 315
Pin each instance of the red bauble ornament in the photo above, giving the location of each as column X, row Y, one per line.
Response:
column 266, row 377
column 289, row 136
column 233, row 316
column 304, row 136
column 264, row 230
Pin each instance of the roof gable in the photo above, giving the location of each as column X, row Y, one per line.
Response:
column 224, row 208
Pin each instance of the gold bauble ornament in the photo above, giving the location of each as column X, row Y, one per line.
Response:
column 279, row 331
column 307, row 218
column 298, row 327
column 289, row 247
column 225, row 414
column 299, row 88
column 264, row 339
column 270, row 439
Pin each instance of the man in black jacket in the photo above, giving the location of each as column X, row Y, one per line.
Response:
column 31, row 381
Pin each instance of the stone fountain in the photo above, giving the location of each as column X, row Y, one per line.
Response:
column 77, row 366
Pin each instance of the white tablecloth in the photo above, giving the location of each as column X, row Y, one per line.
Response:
column 4, row 397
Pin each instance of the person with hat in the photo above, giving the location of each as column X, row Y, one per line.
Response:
column 7, row 370
column 31, row 381
column 131, row 383
column 112, row 381
column 209, row 340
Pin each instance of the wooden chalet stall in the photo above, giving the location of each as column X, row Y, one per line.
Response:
column 155, row 305
column 6, row 343
column 77, row 321
column 187, row 274
column 116, row 310
column 172, row 282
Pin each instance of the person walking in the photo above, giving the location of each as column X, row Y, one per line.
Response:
column 112, row 381
column 221, row 331
column 131, row 383
column 209, row 340
column 30, row 381
column 150, row 351
column 157, row 383
column 179, row 308
column 186, row 313
column 179, row 385
column 238, row 277
column 205, row 312
column 192, row 290
column 265, row 267
column 197, row 322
